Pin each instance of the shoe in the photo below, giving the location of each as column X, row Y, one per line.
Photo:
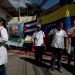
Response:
column 52, row 69
column 48, row 67
column 60, row 70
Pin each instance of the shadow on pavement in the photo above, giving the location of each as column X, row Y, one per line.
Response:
column 69, row 68
column 40, row 64
column 43, row 67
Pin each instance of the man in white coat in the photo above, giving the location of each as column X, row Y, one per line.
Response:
column 3, row 50
column 59, row 43
column 38, row 40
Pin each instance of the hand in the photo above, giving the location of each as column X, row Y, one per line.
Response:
column 44, row 46
column 66, row 48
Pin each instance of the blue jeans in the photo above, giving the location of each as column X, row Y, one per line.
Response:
column 2, row 70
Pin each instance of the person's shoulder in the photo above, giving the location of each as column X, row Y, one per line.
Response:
column 4, row 29
column 63, row 31
column 52, row 29
column 35, row 32
column 41, row 31
column 73, row 28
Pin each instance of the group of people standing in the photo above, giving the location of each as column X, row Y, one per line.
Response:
column 58, row 44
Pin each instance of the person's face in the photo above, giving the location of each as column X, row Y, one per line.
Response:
column 1, row 23
column 14, row 30
column 60, row 26
column 38, row 28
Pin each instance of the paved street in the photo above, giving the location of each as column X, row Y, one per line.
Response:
column 26, row 66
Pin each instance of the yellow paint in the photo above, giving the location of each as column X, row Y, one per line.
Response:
column 67, row 10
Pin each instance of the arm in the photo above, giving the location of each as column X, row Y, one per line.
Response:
column 43, row 34
column 71, row 32
column 51, row 36
column 4, row 36
column 66, row 42
column 51, row 32
column 33, row 37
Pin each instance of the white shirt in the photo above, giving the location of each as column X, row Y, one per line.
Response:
column 38, row 36
column 3, row 50
column 58, row 39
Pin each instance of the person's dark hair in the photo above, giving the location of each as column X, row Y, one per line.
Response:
column 4, row 22
column 1, row 19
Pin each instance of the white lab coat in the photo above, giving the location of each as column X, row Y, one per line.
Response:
column 39, row 35
column 3, row 50
column 58, row 39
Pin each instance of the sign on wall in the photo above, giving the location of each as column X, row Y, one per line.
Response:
column 15, row 31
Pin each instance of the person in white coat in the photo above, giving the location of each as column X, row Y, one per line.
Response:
column 38, row 40
column 58, row 45
column 3, row 50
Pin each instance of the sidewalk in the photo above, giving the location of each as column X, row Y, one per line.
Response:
column 26, row 66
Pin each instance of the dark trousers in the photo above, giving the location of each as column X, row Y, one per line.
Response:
column 38, row 53
column 71, row 55
column 73, row 44
column 2, row 70
column 56, row 55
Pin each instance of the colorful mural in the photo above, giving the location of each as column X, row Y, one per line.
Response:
column 15, row 30
column 65, row 14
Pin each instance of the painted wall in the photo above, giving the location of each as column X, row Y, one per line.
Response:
column 65, row 14
column 65, row 11
column 23, row 19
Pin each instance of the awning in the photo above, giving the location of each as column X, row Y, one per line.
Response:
column 7, row 6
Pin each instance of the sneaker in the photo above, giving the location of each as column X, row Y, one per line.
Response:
column 48, row 67
column 52, row 69
column 60, row 70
